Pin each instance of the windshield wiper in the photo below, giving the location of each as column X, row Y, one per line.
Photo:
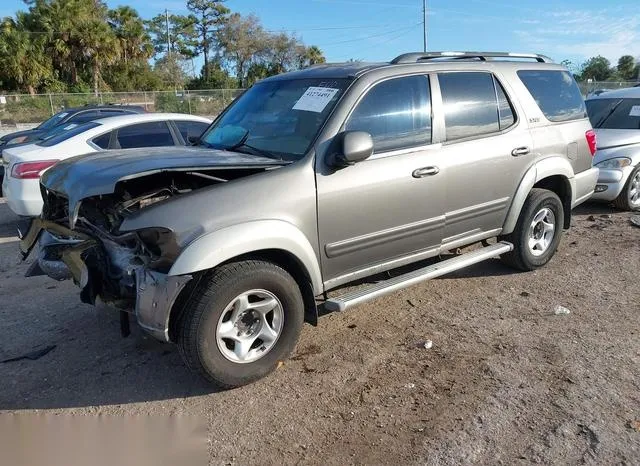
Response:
column 613, row 108
column 256, row 150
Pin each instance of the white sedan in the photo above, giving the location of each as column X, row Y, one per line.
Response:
column 24, row 164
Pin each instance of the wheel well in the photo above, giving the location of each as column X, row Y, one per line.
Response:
column 282, row 258
column 561, row 186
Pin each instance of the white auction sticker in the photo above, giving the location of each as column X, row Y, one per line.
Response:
column 315, row 99
column 635, row 111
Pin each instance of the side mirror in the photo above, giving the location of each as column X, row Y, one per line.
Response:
column 193, row 140
column 350, row 147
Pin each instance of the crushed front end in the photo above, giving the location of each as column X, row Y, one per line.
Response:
column 127, row 271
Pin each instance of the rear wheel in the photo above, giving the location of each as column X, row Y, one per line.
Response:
column 629, row 198
column 537, row 234
column 243, row 320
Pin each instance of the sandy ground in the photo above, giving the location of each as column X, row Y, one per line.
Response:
column 506, row 382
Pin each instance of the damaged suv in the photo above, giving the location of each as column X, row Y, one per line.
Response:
column 315, row 179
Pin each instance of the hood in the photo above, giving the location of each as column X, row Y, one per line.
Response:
column 95, row 174
column 608, row 138
column 31, row 133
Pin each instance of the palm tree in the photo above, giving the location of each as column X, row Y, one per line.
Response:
column 314, row 55
column 22, row 54
column 128, row 26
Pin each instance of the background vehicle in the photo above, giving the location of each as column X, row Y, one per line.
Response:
column 315, row 179
column 25, row 163
column 72, row 115
column 615, row 116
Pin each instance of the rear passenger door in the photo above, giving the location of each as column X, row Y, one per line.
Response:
column 150, row 134
column 486, row 151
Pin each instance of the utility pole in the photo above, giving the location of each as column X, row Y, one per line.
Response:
column 424, row 11
column 166, row 17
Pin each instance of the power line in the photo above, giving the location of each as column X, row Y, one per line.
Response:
column 372, row 36
column 388, row 41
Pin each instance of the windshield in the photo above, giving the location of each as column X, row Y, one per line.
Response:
column 614, row 113
column 276, row 118
column 53, row 121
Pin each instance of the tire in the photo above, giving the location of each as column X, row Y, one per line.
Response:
column 218, row 324
column 535, row 211
column 629, row 198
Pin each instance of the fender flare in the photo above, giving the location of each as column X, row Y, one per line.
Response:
column 551, row 166
column 219, row 246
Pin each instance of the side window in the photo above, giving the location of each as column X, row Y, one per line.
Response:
column 556, row 93
column 505, row 109
column 396, row 112
column 190, row 128
column 152, row 134
column 102, row 141
column 470, row 104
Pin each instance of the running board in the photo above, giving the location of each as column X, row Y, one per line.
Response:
column 348, row 300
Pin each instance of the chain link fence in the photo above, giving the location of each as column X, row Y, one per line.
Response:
column 595, row 87
column 25, row 108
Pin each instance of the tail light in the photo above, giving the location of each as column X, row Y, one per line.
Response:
column 31, row 170
column 591, row 141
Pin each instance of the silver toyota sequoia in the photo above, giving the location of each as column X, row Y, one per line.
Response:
column 314, row 179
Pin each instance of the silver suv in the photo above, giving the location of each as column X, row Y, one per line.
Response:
column 314, row 179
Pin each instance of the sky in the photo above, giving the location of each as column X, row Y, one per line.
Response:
column 379, row 30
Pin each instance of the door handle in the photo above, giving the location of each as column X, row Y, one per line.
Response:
column 518, row 151
column 425, row 171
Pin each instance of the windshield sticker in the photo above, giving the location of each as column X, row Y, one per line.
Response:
column 315, row 99
column 635, row 111
column 62, row 115
column 71, row 126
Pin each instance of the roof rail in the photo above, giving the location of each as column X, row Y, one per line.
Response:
column 483, row 56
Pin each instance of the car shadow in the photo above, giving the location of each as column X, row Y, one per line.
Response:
column 87, row 363
column 596, row 208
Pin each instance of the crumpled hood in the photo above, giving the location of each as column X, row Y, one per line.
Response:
column 78, row 178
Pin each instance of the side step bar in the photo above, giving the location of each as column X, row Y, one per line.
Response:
column 353, row 298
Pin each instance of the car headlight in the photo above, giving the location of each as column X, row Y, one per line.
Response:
column 619, row 162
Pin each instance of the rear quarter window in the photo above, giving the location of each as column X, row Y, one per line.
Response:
column 556, row 93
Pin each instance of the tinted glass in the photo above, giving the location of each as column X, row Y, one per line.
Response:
column 505, row 109
column 556, row 93
column 152, row 134
column 190, row 128
column 85, row 116
column 53, row 121
column 102, row 141
column 281, row 117
column 470, row 104
column 396, row 112
column 67, row 132
column 614, row 113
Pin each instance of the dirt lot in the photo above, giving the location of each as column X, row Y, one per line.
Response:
column 507, row 381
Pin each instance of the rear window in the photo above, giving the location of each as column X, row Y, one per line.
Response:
column 556, row 93
column 614, row 113
column 67, row 132
column 191, row 128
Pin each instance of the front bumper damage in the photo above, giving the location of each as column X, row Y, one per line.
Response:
column 71, row 254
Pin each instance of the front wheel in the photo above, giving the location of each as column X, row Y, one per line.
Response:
column 244, row 318
column 537, row 233
column 629, row 198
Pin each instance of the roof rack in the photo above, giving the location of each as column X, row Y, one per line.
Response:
column 415, row 57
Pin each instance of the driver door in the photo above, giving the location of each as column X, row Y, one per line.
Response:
column 375, row 213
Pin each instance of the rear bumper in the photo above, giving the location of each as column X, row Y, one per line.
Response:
column 584, row 184
column 611, row 182
column 23, row 196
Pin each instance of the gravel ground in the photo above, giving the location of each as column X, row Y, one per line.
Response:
column 507, row 381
